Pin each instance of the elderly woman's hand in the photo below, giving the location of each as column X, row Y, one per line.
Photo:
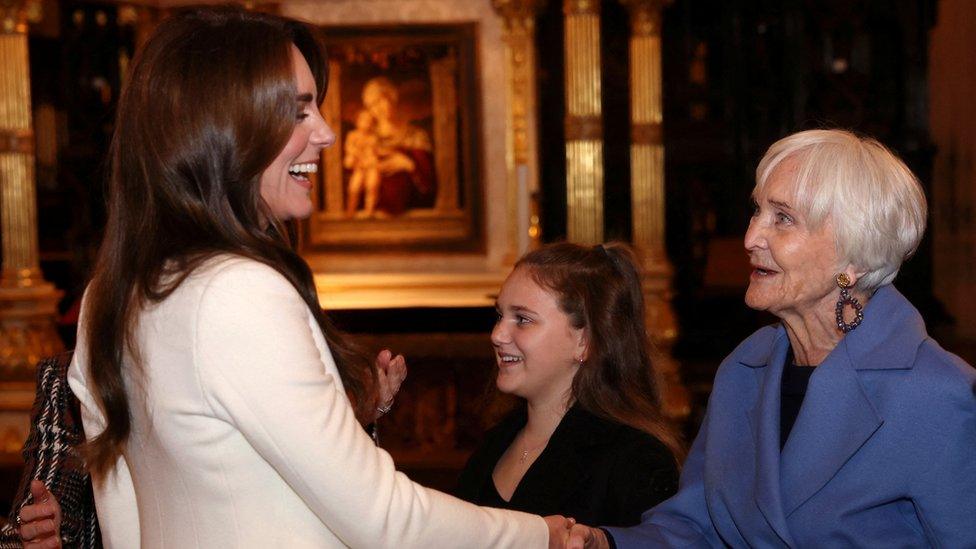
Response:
column 390, row 372
column 40, row 522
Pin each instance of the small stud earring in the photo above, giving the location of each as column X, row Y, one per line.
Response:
column 844, row 282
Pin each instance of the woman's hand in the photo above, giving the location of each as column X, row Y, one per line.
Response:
column 390, row 373
column 40, row 522
column 585, row 537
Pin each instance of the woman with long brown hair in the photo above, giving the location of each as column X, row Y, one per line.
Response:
column 589, row 439
column 213, row 390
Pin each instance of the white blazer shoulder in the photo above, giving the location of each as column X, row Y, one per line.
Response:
column 243, row 435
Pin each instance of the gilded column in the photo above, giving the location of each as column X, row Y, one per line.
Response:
column 523, row 176
column 647, row 190
column 584, row 122
column 27, row 302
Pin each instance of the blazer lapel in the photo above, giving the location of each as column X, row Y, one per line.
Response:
column 764, row 421
column 561, row 468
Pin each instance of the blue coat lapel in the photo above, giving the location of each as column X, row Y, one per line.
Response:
column 834, row 422
column 764, row 421
column 837, row 417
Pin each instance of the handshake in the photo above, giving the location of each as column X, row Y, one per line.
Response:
column 564, row 533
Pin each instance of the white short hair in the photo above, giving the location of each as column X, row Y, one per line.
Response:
column 873, row 202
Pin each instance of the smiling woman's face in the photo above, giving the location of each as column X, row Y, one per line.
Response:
column 536, row 346
column 794, row 265
column 285, row 184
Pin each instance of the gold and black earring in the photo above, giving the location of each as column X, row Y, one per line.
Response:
column 846, row 298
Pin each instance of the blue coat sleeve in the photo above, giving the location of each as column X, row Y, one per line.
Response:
column 945, row 495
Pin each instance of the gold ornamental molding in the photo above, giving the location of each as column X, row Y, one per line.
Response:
column 16, row 14
column 645, row 16
column 584, row 122
column 647, row 133
column 522, row 173
column 581, row 7
column 17, row 141
column 584, row 128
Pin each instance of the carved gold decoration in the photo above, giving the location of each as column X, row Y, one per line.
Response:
column 646, row 133
column 15, row 14
column 16, row 141
column 584, row 137
column 581, row 7
column 523, row 179
column 647, row 191
column 27, row 302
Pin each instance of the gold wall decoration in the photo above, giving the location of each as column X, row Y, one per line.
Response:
column 647, row 191
column 523, row 177
column 27, row 301
column 584, row 114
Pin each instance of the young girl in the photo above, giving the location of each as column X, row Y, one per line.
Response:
column 588, row 440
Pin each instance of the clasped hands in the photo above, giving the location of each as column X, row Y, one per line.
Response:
column 565, row 533
column 390, row 373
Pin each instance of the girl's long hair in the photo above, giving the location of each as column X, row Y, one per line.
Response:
column 599, row 288
column 210, row 102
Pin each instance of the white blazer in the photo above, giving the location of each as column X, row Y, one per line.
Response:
column 242, row 435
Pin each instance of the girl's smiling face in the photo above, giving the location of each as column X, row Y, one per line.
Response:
column 536, row 347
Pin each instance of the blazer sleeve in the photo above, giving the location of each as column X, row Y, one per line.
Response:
column 945, row 495
column 262, row 372
column 682, row 520
column 643, row 475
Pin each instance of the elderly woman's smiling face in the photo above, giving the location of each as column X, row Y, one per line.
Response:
column 793, row 264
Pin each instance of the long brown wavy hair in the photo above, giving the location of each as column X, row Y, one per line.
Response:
column 210, row 102
column 599, row 288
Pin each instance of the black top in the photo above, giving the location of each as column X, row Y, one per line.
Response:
column 594, row 470
column 794, row 388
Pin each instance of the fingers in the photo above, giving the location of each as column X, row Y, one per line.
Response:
column 584, row 537
column 38, row 530
column 40, row 521
column 397, row 371
column 38, row 511
column 390, row 371
column 383, row 360
column 559, row 528
column 39, row 491
column 49, row 543
column 580, row 537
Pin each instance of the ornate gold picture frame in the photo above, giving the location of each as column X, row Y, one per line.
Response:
column 404, row 171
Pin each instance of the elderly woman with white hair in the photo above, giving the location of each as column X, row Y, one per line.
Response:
column 845, row 424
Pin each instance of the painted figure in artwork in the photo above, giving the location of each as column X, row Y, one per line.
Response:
column 404, row 151
column 360, row 156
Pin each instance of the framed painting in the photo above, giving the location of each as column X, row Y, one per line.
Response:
column 403, row 173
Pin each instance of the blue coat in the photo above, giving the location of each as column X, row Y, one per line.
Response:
column 882, row 454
